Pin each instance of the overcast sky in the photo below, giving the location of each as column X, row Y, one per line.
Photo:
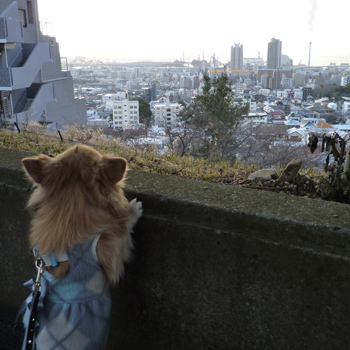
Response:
column 159, row 30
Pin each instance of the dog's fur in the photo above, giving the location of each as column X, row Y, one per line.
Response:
column 78, row 195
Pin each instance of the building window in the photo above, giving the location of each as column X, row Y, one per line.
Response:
column 22, row 17
column 30, row 12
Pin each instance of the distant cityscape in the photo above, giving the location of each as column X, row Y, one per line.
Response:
column 37, row 84
column 275, row 90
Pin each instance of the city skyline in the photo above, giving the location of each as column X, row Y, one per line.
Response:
column 147, row 31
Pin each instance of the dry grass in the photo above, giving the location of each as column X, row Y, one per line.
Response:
column 146, row 158
column 36, row 139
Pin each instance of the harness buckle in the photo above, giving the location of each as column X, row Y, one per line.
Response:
column 39, row 264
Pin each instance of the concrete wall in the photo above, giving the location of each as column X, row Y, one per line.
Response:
column 215, row 267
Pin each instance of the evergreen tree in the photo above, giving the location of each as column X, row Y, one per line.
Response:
column 212, row 121
column 144, row 111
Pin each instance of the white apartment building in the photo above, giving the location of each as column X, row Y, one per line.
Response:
column 239, row 88
column 344, row 81
column 254, row 119
column 119, row 96
column 244, row 100
column 108, row 99
column 125, row 114
column 298, row 93
column 264, row 92
column 166, row 114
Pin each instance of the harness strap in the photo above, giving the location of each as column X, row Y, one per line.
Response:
column 49, row 259
column 29, row 335
column 28, row 343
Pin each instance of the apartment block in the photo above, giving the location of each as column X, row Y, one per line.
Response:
column 191, row 82
column 344, row 81
column 125, row 114
column 274, row 53
column 299, row 79
column 166, row 114
column 236, row 62
column 34, row 85
column 109, row 99
column 275, row 78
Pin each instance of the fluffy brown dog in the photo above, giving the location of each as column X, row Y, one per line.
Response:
column 78, row 205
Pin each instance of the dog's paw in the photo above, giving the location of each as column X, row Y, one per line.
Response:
column 137, row 211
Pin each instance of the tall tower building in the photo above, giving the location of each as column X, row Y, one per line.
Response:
column 274, row 52
column 237, row 56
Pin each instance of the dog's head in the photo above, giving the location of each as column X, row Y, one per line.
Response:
column 79, row 165
column 78, row 192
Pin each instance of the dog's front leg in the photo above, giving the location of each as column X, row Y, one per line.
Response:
column 137, row 210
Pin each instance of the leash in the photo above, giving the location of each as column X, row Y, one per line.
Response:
column 28, row 343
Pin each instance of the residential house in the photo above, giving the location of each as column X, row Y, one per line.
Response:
column 329, row 114
column 271, row 131
column 295, row 134
column 292, row 124
column 254, row 119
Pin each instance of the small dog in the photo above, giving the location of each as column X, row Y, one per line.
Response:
column 81, row 227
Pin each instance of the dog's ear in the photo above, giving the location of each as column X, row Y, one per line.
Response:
column 34, row 167
column 114, row 169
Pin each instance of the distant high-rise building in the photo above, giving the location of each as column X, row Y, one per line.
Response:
column 149, row 93
column 237, row 56
column 274, row 53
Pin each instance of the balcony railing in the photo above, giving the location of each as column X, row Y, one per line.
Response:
column 11, row 30
column 22, row 77
column 64, row 64
column 37, row 107
column 46, row 29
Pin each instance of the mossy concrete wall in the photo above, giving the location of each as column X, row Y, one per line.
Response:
column 215, row 267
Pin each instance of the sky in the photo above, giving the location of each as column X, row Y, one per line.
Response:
column 154, row 30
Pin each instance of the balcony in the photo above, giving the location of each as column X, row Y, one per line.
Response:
column 35, row 107
column 5, row 79
column 22, row 77
column 10, row 30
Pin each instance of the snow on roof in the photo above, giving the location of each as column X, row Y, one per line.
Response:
column 295, row 130
column 292, row 122
column 307, row 124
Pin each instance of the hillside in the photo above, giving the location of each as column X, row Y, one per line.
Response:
column 37, row 140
